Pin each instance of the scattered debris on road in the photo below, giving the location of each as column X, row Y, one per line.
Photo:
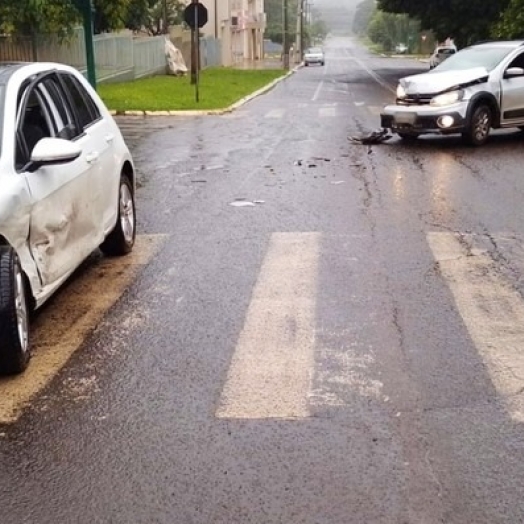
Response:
column 375, row 137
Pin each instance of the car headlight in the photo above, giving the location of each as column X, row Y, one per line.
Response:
column 401, row 92
column 446, row 99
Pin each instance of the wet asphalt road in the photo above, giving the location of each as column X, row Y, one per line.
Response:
column 401, row 318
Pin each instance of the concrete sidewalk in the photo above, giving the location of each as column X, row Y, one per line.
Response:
column 266, row 63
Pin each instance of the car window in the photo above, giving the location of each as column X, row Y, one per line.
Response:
column 34, row 124
column 315, row 50
column 84, row 106
column 66, row 127
column 517, row 61
column 486, row 57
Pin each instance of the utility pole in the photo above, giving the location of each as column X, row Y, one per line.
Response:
column 86, row 9
column 285, row 34
column 301, row 21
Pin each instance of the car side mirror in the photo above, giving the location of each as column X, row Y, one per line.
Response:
column 513, row 71
column 53, row 151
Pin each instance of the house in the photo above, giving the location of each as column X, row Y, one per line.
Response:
column 239, row 25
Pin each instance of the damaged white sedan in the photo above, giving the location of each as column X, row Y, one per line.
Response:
column 67, row 187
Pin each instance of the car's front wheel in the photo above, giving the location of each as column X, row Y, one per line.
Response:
column 14, row 314
column 479, row 126
column 121, row 240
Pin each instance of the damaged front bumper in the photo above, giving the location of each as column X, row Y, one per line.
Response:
column 425, row 119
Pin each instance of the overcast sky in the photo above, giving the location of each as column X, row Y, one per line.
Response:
column 338, row 14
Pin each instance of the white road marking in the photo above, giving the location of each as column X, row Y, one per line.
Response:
column 61, row 328
column 492, row 310
column 275, row 113
column 317, row 92
column 327, row 112
column 269, row 376
column 374, row 75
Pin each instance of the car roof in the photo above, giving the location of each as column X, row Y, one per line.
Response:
column 500, row 43
column 8, row 68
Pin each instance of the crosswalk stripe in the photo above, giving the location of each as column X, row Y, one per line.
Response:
column 275, row 113
column 492, row 310
column 269, row 376
column 327, row 112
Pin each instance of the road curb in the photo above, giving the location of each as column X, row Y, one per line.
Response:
column 207, row 112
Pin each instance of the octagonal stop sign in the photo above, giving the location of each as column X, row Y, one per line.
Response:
column 195, row 15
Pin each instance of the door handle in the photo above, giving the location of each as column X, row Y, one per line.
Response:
column 110, row 137
column 91, row 158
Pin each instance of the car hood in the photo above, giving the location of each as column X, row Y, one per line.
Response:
column 436, row 82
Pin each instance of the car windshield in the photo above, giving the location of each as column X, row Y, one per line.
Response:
column 315, row 51
column 486, row 57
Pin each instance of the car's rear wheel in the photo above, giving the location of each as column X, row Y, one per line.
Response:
column 14, row 314
column 121, row 240
column 479, row 126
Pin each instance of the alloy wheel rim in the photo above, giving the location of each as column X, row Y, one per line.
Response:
column 21, row 310
column 482, row 125
column 127, row 213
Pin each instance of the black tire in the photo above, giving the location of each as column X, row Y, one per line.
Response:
column 122, row 238
column 321, row 63
column 306, row 64
column 479, row 126
column 14, row 314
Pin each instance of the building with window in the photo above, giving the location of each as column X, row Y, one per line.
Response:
column 239, row 25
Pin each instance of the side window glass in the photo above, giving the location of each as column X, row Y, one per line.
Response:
column 66, row 127
column 34, row 125
column 85, row 108
column 517, row 61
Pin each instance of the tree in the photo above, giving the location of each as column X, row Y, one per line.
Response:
column 109, row 15
column 465, row 21
column 363, row 15
column 27, row 17
column 149, row 15
column 274, row 15
column 511, row 22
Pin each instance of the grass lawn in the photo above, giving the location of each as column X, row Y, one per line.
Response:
column 218, row 88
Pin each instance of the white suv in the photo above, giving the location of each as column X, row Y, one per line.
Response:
column 478, row 88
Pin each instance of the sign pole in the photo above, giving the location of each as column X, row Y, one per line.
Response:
column 197, row 36
column 195, row 16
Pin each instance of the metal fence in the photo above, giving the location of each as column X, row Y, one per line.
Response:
column 117, row 55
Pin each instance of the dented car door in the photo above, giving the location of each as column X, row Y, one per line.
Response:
column 62, row 220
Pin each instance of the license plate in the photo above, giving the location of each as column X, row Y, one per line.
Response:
column 405, row 118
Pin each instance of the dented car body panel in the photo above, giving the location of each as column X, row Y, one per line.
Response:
column 437, row 82
column 444, row 100
column 54, row 215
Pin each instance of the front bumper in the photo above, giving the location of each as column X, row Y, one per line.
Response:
column 424, row 119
